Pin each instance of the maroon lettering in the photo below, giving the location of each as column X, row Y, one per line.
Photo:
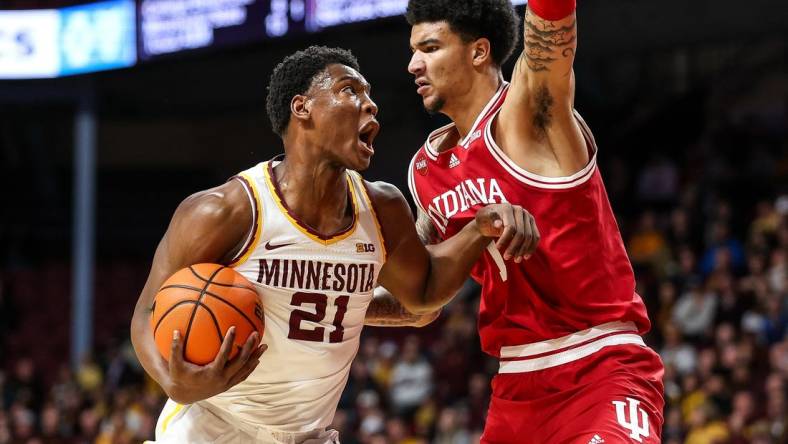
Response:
column 320, row 302
column 338, row 334
column 326, row 276
column 269, row 273
column 339, row 277
column 317, row 334
column 313, row 275
column 352, row 278
column 370, row 278
column 297, row 278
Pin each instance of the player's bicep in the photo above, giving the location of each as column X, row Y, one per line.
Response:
column 406, row 270
column 408, row 262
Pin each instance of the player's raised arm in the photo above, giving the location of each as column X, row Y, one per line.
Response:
column 424, row 279
column 538, row 113
column 207, row 227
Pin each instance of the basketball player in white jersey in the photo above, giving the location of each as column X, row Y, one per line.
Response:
column 316, row 239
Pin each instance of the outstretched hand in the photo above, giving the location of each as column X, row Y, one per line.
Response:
column 191, row 382
column 514, row 227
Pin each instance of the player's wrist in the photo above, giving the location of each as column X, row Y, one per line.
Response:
column 552, row 9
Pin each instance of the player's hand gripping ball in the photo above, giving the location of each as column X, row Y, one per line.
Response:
column 202, row 302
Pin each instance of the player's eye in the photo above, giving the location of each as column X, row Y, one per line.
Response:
column 350, row 89
column 431, row 49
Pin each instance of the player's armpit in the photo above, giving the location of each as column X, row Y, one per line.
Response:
column 386, row 311
column 207, row 227
column 537, row 114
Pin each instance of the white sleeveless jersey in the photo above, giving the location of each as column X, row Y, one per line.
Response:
column 315, row 292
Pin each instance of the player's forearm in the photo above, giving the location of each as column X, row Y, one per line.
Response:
column 386, row 311
column 451, row 262
column 146, row 351
column 550, row 36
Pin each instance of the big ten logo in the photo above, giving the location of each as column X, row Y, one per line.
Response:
column 365, row 248
column 258, row 311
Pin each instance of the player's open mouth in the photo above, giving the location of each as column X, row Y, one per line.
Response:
column 423, row 85
column 367, row 135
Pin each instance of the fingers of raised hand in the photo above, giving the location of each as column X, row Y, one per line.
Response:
column 509, row 227
column 514, row 247
column 536, row 236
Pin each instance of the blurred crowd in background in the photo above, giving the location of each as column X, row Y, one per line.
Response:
column 702, row 204
column 707, row 234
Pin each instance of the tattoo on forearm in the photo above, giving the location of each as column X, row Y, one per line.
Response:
column 546, row 42
column 385, row 310
column 425, row 229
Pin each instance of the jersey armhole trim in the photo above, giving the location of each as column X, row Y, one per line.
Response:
column 257, row 220
column 371, row 205
column 535, row 180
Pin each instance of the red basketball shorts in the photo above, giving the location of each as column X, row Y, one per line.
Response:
column 611, row 396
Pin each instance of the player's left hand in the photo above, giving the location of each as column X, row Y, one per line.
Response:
column 514, row 227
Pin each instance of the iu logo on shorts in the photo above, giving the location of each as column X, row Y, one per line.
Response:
column 636, row 424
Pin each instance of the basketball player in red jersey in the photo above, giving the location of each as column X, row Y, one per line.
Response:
column 566, row 324
column 320, row 105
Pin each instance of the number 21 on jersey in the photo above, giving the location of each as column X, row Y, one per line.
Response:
column 320, row 301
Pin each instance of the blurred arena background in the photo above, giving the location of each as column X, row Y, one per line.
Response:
column 112, row 112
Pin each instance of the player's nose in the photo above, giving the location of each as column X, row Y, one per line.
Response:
column 370, row 107
column 416, row 65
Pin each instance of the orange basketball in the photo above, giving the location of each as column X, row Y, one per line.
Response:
column 202, row 302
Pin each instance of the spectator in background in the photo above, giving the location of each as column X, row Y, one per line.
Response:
column 778, row 271
column 676, row 353
column 411, row 379
column 647, row 245
column 774, row 321
column 24, row 387
column 693, row 313
column 451, row 428
column 659, row 181
column 724, row 251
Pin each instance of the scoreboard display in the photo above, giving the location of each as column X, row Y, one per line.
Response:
column 114, row 34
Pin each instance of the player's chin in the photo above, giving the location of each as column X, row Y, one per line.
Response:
column 357, row 159
column 362, row 162
column 433, row 104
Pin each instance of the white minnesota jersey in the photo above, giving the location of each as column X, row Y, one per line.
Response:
column 315, row 292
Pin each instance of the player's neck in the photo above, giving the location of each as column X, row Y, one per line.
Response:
column 316, row 191
column 465, row 109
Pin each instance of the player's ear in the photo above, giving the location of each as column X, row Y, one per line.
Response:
column 300, row 107
column 480, row 51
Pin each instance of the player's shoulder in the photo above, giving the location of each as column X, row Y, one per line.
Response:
column 383, row 193
column 225, row 204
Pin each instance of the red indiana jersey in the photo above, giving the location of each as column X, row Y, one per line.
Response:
column 579, row 277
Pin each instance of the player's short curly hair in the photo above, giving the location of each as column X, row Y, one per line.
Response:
column 495, row 20
column 294, row 75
